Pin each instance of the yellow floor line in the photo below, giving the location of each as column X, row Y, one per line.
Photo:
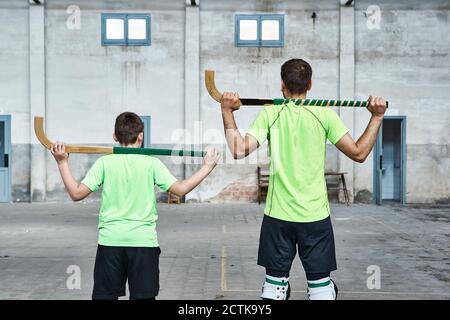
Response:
column 223, row 279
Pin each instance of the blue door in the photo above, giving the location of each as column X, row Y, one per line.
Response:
column 390, row 161
column 5, row 158
column 378, row 167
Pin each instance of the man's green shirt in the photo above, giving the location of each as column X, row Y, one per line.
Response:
column 128, row 211
column 297, row 148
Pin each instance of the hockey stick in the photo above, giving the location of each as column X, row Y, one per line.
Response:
column 217, row 95
column 70, row 148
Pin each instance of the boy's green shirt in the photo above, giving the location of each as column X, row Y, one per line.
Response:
column 297, row 148
column 128, row 211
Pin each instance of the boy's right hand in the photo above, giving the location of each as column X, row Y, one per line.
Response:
column 58, row 150
column 211, row 158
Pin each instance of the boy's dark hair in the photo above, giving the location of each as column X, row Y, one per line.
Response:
column 296, row 73
column 127, row 128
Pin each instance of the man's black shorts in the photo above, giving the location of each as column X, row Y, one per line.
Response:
column 115, row 265
column 279, row 241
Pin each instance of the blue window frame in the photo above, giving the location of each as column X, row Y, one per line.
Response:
column 147, row 131
column 259, row 30
column 121, row 29
column 5, row 158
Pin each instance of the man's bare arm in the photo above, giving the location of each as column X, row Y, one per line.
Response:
column 359, row 150
column 239, row 146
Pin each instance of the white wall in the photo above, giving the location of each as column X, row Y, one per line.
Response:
column 407, row 61
column 87, row 85
column 14, row 95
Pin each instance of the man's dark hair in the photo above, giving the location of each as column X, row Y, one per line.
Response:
column 296, row 73
column 127, row 128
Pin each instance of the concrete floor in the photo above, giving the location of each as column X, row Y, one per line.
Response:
column 209, row 251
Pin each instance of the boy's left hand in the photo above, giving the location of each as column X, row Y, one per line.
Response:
column 58, row 151
column 212, row 157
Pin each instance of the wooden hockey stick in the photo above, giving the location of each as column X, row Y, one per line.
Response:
column 70, row 148
column 217, row 95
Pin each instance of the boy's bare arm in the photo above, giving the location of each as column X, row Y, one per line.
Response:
column 183, row 187
column 239, row 146
column 77, row 191
column 358, row 151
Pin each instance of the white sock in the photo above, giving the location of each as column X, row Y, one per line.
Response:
column 322, row 289
column 275, row 288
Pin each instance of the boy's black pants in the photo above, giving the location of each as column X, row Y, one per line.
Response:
column 115, row 265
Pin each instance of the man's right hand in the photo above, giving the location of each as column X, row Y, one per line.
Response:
column 230, row 102
column 377, row 106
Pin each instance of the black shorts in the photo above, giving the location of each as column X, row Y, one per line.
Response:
column 115, row 265
column 279, row 241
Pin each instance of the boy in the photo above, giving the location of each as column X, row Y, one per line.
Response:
column 127, row 243
column 297, row 213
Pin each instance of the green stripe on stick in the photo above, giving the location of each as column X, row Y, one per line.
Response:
column 158, row 152
column 310, row 102
column 278, row 101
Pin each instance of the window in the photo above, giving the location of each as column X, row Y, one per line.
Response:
column 119, row 29
column 259, row 30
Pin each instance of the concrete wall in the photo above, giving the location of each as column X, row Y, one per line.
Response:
column 255, row 72
column 87, row 85
column 14, row 92
column 91, row 84
column 408, row 60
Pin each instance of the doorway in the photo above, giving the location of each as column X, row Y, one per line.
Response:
column 390, row 161
column 5, row 158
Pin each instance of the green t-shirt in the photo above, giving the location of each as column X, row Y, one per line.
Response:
column 128, row 211
column 297, row 148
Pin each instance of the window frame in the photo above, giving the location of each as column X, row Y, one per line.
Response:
column 259, row 42
column 125, row 41
column 147, row 120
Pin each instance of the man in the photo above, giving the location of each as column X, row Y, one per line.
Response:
column 297, row 212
